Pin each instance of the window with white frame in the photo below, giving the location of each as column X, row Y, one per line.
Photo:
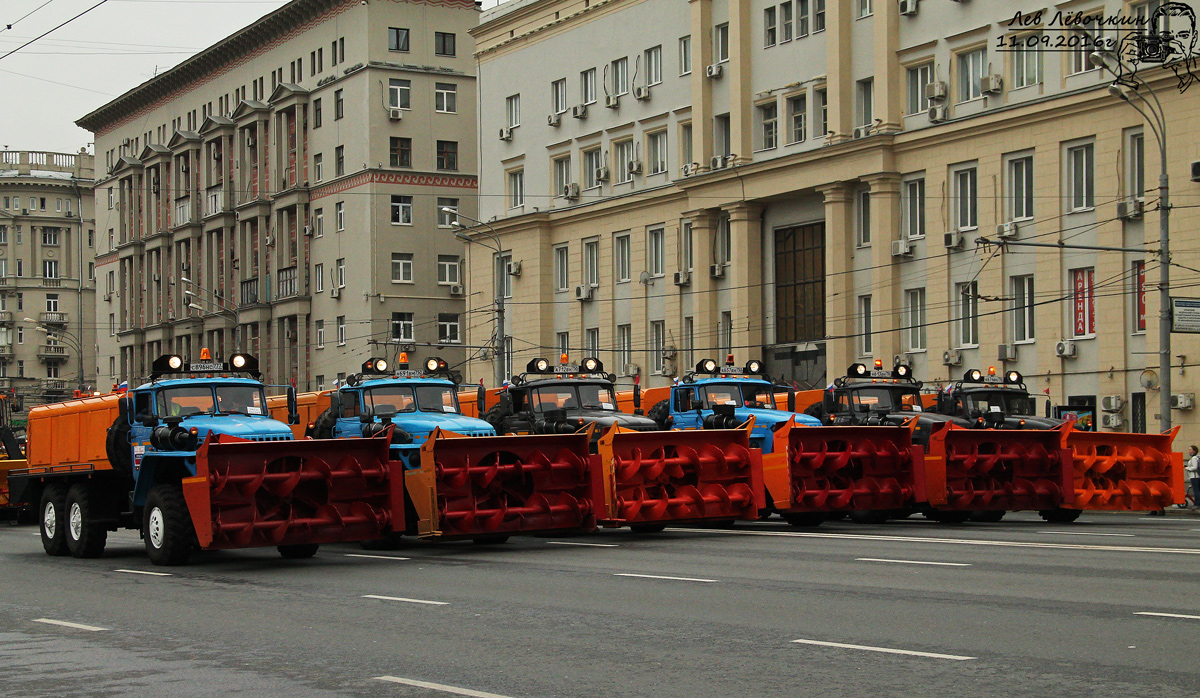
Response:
column 1022, row 308
column 401, row 210
column 656, row 251
column 593, row 160
column 400, row 93
column 1027, row 61
column 1080, row 177
column 341, row 272
column 516, row 188
column 785, row 22
column 562, row 277
column 656, row 152
column 1082, row 43
column 866, row 102
column 967, row 313
column 318, row 167
column 319, row 278
column 50, row 268
column 654, row 65
column 621, row 258
column 721, row 42
column 724, row 241
column 685, row 144
column 446, row 218
column 620, row 76
column 1020, row 184
column 864, row 217
column 591, row 263
column 318, row 224
column 512, row 108
column 402, row 327
column 768, row 120
column 591, row 341
column 1137, row 166
column 339, row 215
column 966, row 202
column 685, row 56
column 685, row 246
column 658, row 345
column 587, row 86
column 625, row 157
column 770, row 27
column 798, row 118
column 822, row 113
column 971, row 65
column 448, row 270
column 341, row 330
column 725, row 332
column 818, row 16
column 503, row 262
column 918, row 77
column 624, row 347
column 320, row 334
column 445, row 97
column 558, row 96
column 402, row 267
column 562, row 341
column 866, row 338
column 1083, row 303
column 448, row 328
column 864, row 8
column 801, row 19
column 914, row 319
column 912, row 202
column 562, row 175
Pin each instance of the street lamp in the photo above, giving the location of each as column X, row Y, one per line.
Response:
column 1156, row 117
column 66, row 337
column 499, row 286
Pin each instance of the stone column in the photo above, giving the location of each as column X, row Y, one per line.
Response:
column 741, row 123
column 745, row 277
column 889, row 77
column 840, row 81
column 886, row 301
column 702, row 57
column 839, row 297
column 704, row 287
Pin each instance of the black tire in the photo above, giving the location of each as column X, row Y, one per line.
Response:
column 117, row 447
column 323, row 425
column 806, row 519
column 85, row 538
column 660, row 412
column 490, row 539
column 949, row 517
column 1060, row 515
column 167, row 526
column 495, row 416
column 987, row 516
column 52, row 519
column 298, row 551
column 869, row 516
column 647, row 528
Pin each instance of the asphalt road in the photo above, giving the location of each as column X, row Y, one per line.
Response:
column 910, row 608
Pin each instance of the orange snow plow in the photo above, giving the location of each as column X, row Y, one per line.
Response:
column 1118, row 471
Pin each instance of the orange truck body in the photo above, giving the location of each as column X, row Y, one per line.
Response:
column 308, row 405
column 71, row 432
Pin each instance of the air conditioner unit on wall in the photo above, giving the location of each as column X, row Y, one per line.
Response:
column 1112, row 403
column 395, row 114
column 634, row 167
column 937, row 91
column 992, row 84
column 1130, row 209
column 938, row 114
column 584, row 293
column 682, row 278
column 716, row 271
column 553, row 119
column 456, row 289
column 641, row 93
column 579, row 111
column 601, row 174
column 718, row 162
column 953, row 240
column 612, row 101
column 908, row 7
column 1111, row 421
column 1065, row 349
column 861, row 131
column 1006, row 352
column 571, row 191
column 1007, row 230
column 901, row 248
column 514, row 268
column 506, row 133
column 713, row 71
column 952, row 357
column 1182, row 401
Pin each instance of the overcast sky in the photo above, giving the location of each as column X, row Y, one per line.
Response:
column 119, row 45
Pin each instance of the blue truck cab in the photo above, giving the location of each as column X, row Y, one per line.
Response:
column 723, row 397
column 416, row 402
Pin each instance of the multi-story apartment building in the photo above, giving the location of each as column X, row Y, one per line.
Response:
column 280, row 192
column 806, row 181
column 47, row 275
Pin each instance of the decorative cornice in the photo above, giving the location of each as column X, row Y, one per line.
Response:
column 377, row 177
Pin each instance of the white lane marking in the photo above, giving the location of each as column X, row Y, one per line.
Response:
column 455, row 690
column 1161, row 519
column 949, row 541
column 401, row 598
column 65, row 624
column 149, row 574
column 586, row 545
column 1087, row 533
column 376, row 557
column 887, row 650
column 913, row 562
column 1167, row 615
column 656, row 576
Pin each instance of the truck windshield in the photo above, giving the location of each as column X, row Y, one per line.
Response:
column 207, row 399
column 589, row 396
column 406, row 398
column 890, row 399
column 1010, row 403
column 740, row 395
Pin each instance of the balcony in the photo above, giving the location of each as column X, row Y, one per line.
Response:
column 53, row 318
column 183, row 211
column 51, row 282
column 250, row 292
column 214, row 202
column 286, row 287
column 52, row 353
column 6, row 317
column 6, row 351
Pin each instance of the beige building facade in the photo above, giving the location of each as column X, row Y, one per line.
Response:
column 809, row 182
column 280, row 193
column 47, row 275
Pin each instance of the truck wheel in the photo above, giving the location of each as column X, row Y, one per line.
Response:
column 167, row 526
column 949, row 517
column 660, row 412
column 84, row 537
column 648, row 528
column 117, row 447
column 323, row 426
column 54, row 519
column 806, row 519
column 495, row 417
column 1060, row 515
column 299, row 551
column 987, row 516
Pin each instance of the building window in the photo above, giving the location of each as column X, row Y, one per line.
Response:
column 1020, row 182
column 970, row 74
column 563, row 342
column 339, row 160
column 562, row 175
column 320, row 334
column 397, row 39
column 112, row 325
column 402, row 268
column 864, row 8
column 1083, row 307
column 339, row 214
column 1080, row 177
column 50, row 268
column 658, row 345
column 721, row 43
column 587, row 86
column 798, row 118
column 319, row 223
column 818, row 16
column 400, row 152
column 866, row 102
column 724, row 241
column 341, row 330
column 685, row 55
column 1082, row 42
column 1137, row 165
column 1139, row 296
column 558, row 96
column 49, row 236
column 625, row 158
column 399, row 93
column 654, row 65
column 822, row 113
column 770, row 29
column 624, row 348
column 801, row 18
column 914, row 319
column 318, row 167
column 402, row 210
column 443, row 43
column 1027, row 61
column 446, row 218
column 1023, row 304
column 448, row 328
column 591, row 341
column 447, row 155
column 768, row 118
column 966, row 205
column 504, row 261
column 621, row 258
column 785, row 22
column 339, row 105
column 516, row 188
column 316, row 113
column 967, row 314
column 447, row 270
column 912, row 201
column 591, row 263
column 562, row 276
column 725, row 332
column 445, row 97
column 656, row 152
column 685, row 246
column 656, row 251
column 864, row 218
column 51, row 302
column 341, row 272
column 402, row 327
column 865, row 336
column 512, row 107
column 918, row 77
column 319, row 278
column 593, row 160
column 620, row 76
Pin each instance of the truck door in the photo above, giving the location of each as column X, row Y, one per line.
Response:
column 683, row 407
column 347, row 423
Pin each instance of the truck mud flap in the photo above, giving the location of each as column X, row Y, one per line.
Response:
column 667, row 476
column 1127, row 472
column 842, row 468
column 261, row 493
column 996, row 470
column 503, row 485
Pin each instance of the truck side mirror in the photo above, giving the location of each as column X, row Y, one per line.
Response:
column 637, row 396
column 385, row 412
column 791, row 401
column 335, row 402
column 828, row 403
column 293, row 408
column 149, row 421
column 481, row 401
